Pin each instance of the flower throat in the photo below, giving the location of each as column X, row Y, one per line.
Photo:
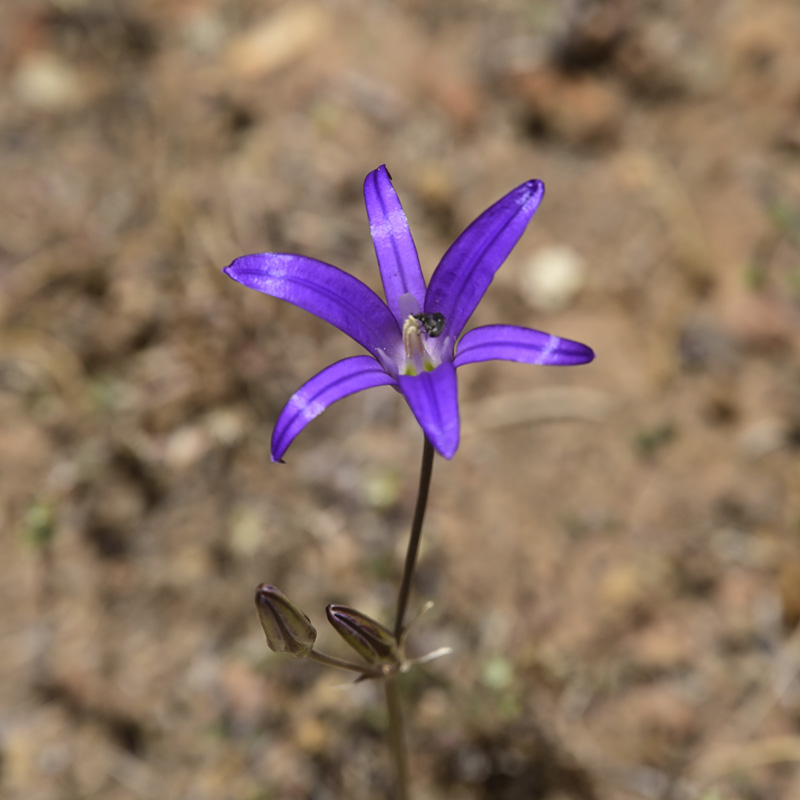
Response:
column 416, row 329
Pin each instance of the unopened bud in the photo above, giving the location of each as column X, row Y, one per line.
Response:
column 371, row 640
column 287, row 628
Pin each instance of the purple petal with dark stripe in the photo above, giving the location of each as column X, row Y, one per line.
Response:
column 339, row 380
column 325, row 291
column 394, row 247
column 433, row 398
column 467, row 268
column 511, row 343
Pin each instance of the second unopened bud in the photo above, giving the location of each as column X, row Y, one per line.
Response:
column 371, row 640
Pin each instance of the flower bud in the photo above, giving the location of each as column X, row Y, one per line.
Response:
column 371, row 640
column 287, row 628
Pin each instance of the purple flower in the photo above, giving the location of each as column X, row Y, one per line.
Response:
column 411, row 338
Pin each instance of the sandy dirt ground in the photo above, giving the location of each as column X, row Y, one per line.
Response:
column 614, row 552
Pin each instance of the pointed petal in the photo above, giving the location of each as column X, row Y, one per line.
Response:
column 511, row 343
column 467, row 268
column 394, row 247
column 433, row 398
column 325, row 291
column 339, row 380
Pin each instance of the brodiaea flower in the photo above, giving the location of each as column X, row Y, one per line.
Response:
column 413, row 338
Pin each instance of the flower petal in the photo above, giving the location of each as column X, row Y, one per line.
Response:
column 467, row 268
column 339, row 380
column 325, row 291
column 394, row 247
column 433, row 398
column 511, row 343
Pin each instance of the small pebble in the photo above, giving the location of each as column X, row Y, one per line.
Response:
column 46, row 82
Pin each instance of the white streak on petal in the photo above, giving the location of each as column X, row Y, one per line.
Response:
column 308, row 409
column 552, row 343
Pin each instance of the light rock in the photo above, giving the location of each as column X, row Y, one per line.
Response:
column 552, row 278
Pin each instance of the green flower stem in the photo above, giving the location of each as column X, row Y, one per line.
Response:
column 397, row 736
column 426, row 471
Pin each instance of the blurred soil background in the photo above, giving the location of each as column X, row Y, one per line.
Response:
column 614, row 553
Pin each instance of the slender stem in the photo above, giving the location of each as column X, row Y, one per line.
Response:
column 398, row 739
column 396, row 729
column 332, row 661
column 426, row 470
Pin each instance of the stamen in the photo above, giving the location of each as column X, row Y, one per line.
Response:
column 416, row 329
column 412, row 338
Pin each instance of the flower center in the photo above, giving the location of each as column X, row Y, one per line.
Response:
column 416, row 330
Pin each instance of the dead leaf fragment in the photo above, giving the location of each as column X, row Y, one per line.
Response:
column 282, row 38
